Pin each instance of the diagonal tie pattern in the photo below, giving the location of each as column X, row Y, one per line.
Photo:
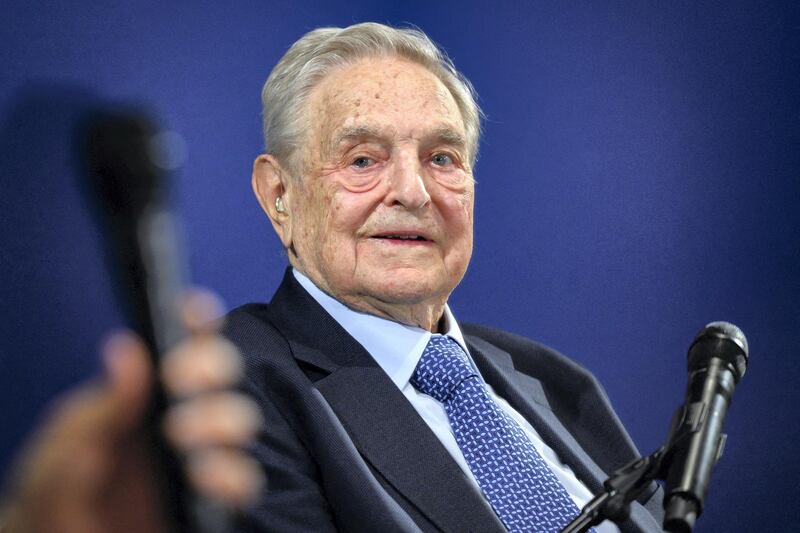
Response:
column 523, row 491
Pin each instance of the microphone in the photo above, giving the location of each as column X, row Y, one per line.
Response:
column 717, row 360
column 129, row 159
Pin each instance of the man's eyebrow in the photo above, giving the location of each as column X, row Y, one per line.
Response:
column 442, row 135
column 352, row 133
column 449, row 136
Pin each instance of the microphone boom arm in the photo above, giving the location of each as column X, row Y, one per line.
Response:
column 619, row 490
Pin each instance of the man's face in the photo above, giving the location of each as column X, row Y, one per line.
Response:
column 383, row 215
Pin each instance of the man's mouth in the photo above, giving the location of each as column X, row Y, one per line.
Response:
column 402, row 237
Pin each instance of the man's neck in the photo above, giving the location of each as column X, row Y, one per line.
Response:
column 426, row 314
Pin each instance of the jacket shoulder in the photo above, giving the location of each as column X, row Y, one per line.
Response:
column 265, row 351
column 534, row 358
column 249, row 327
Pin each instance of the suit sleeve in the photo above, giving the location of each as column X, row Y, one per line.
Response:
column 292, row 499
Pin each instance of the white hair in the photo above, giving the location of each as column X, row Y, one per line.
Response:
column 320, row 51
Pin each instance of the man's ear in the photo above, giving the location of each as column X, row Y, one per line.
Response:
column 272, row 188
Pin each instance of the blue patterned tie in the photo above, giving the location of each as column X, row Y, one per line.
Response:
column 523, row 491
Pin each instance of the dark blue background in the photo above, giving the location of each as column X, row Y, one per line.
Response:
column 637, row 179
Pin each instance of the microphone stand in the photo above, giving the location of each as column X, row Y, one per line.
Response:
column 619, row 490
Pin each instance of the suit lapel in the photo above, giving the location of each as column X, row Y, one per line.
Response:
column 396, row 441
column 383, row 425
column 527, row 396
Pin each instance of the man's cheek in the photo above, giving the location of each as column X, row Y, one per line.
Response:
column 349, row 213
column 461, row 199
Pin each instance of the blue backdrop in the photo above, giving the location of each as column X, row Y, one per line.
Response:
column 638, row 178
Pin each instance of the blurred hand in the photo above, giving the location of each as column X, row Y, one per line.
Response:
column 87, row 469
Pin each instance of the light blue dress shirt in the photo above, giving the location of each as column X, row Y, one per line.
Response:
column 397, row 348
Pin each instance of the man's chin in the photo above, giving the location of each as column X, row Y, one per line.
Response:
column 408, row 289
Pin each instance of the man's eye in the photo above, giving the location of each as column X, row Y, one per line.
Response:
column 362, row 162
column 442, row 160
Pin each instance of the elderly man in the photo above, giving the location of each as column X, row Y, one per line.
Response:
column 383, row 412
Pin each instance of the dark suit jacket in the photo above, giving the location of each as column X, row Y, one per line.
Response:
column 344, row 450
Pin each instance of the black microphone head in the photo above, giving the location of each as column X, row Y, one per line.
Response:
column 720, row 340
column 120, row 156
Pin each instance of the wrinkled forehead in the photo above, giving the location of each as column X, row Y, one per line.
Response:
column 382, row 94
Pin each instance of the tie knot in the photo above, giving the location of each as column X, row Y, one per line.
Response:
column 442, row 367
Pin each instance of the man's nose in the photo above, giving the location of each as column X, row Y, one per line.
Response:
column 407, row 183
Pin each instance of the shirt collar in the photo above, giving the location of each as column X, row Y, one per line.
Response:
column 396, row 347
